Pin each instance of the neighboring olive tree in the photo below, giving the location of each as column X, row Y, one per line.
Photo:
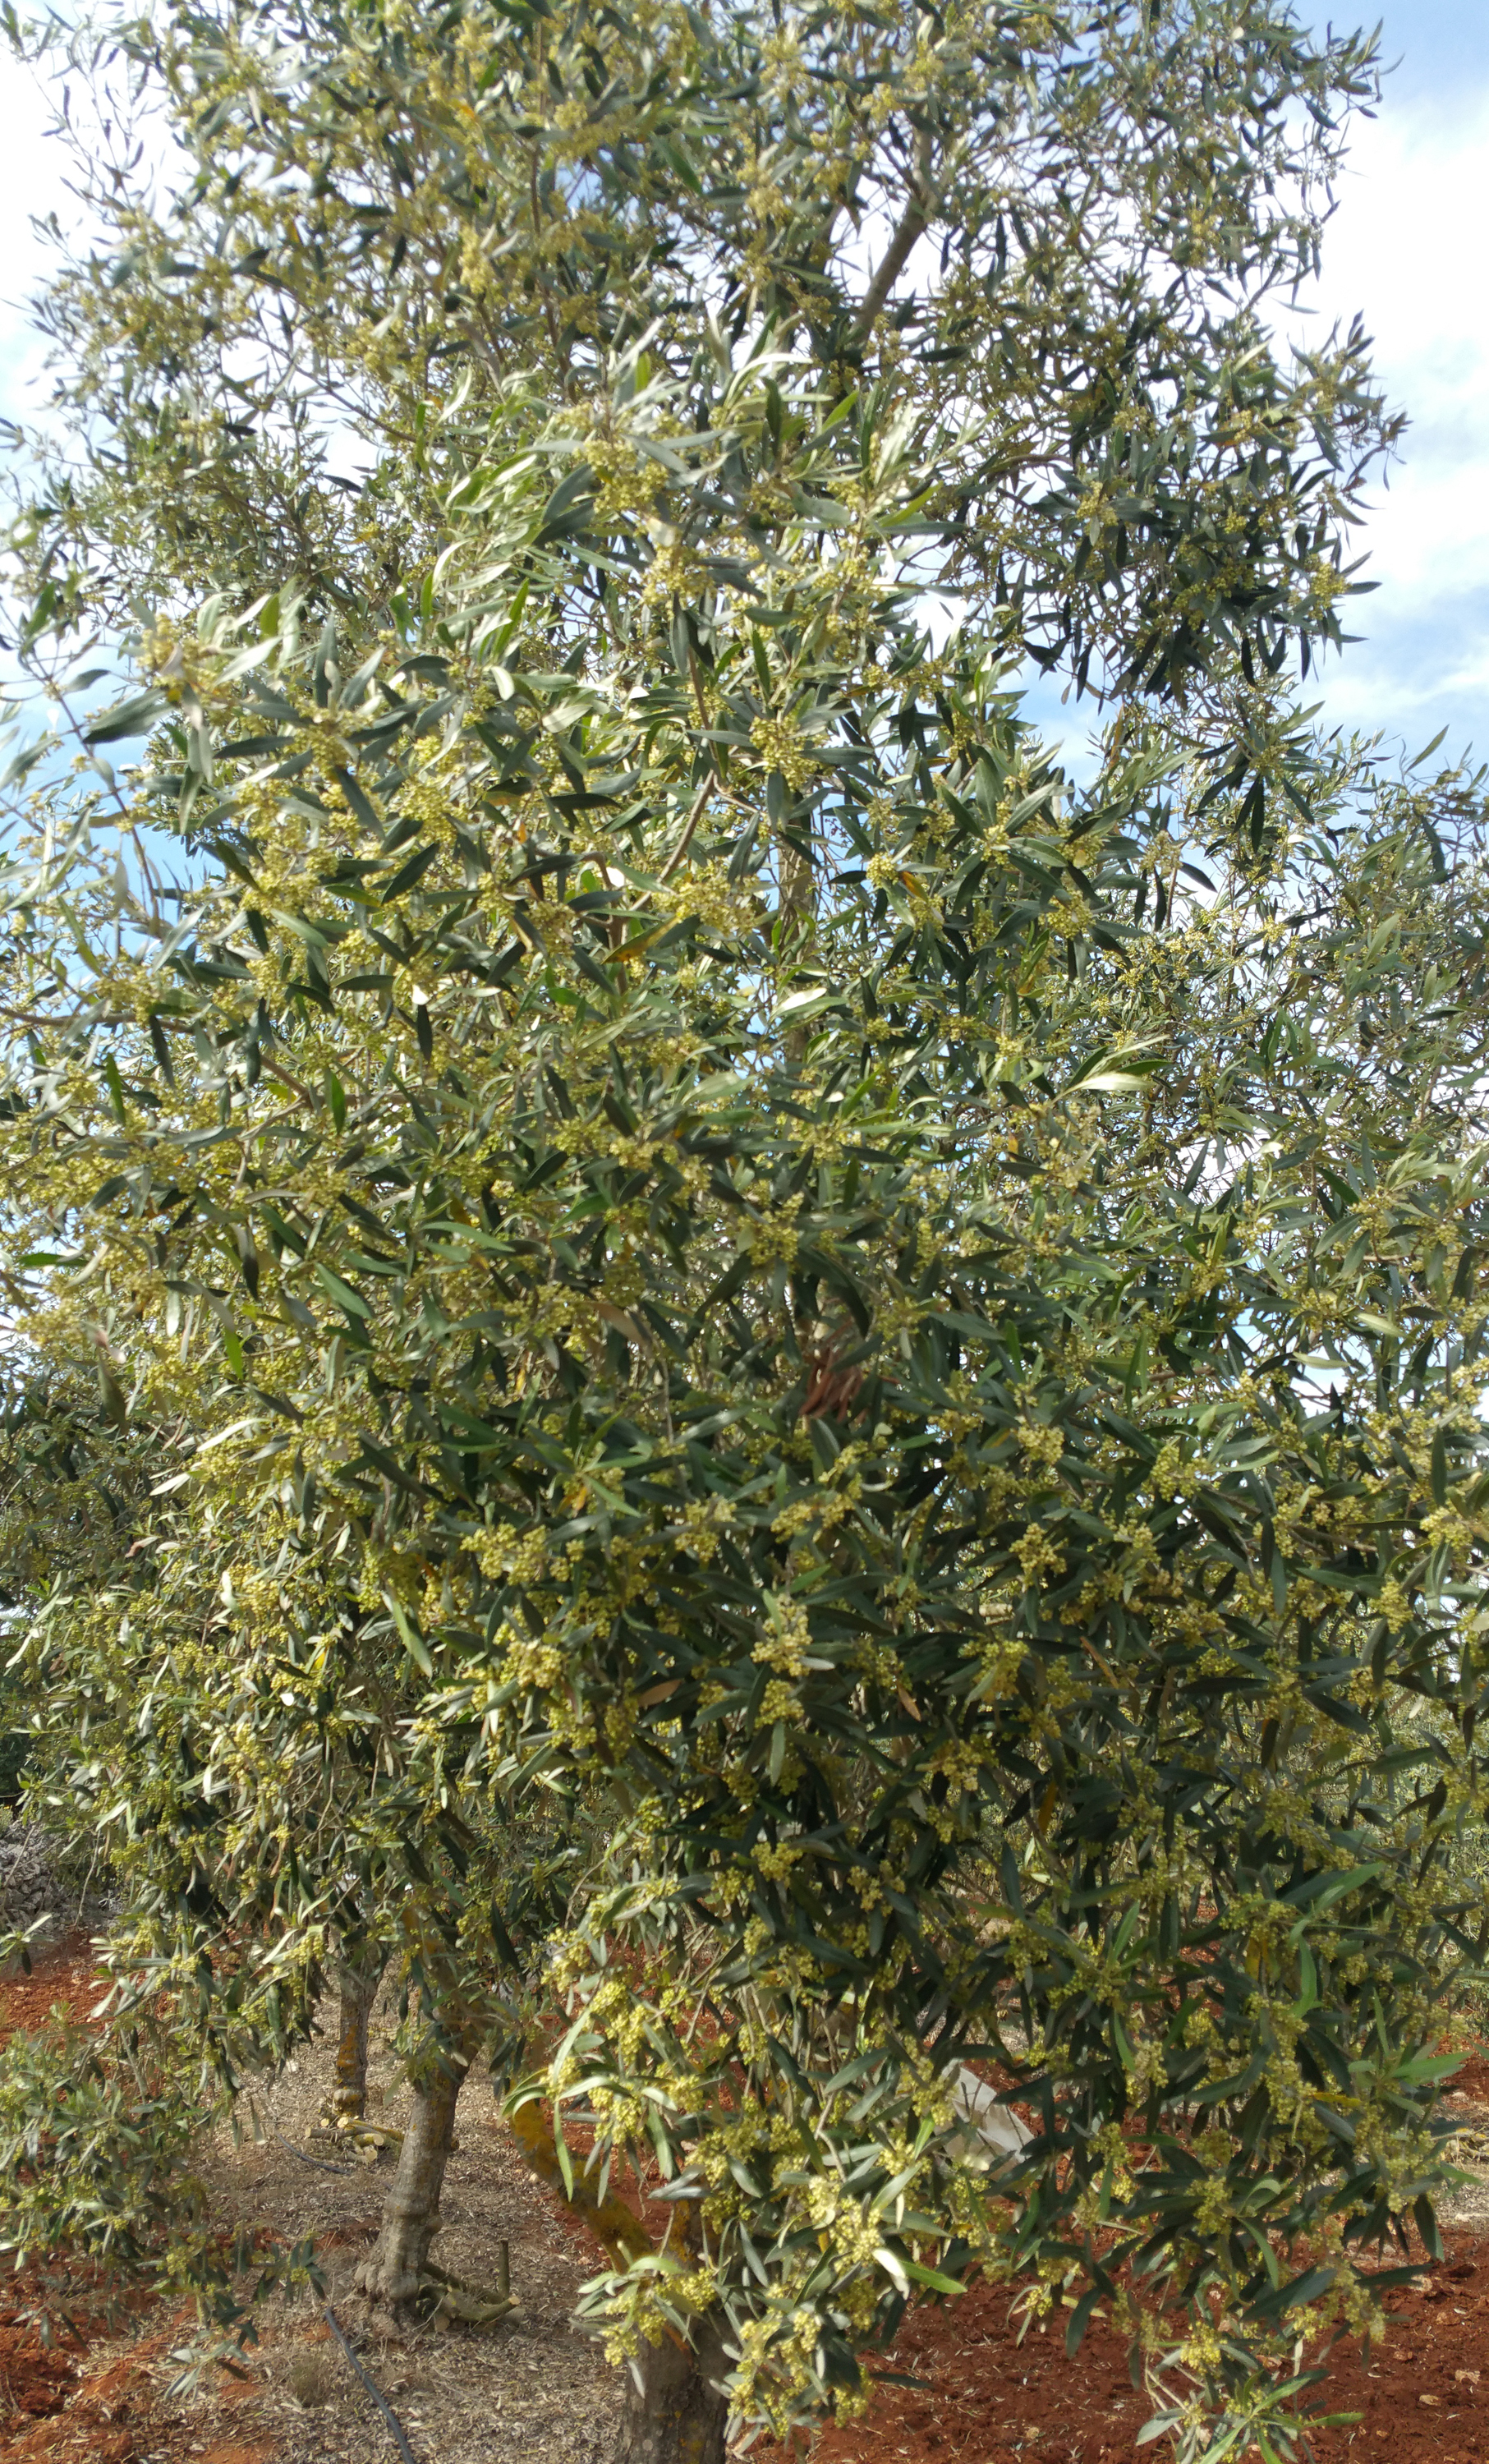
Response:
column 253, row 1819
column 699, row 1213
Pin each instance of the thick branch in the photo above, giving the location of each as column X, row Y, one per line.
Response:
column 913, row 221
column 620, row 2233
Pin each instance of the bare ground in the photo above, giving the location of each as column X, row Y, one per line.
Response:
column 974, row 2390
column 529, row 2386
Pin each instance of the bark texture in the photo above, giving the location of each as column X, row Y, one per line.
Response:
column 358, row 1989
column 621, row 2234
column 678, row 2415
column 412, row 2211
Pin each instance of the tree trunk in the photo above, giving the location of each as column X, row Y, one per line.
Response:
column 412, row 2210
column 357, row 1987
column 678, row 2415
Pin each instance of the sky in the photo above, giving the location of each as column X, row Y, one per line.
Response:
column 1408, row 250
column 30, row 186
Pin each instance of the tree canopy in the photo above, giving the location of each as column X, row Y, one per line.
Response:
column 700, row 1229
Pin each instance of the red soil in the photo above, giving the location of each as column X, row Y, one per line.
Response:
column 1423, row 2396
column 72, row 2407
column 1472, row 2081
column 984, row 2397
column 63, row 1978
column 103, row 2411
column 71, row 2396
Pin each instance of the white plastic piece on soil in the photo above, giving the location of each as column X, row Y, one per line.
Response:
column 990, row 2131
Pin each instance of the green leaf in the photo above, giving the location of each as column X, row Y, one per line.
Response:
column 1309, row 2286
column 413, row 870
column 412, row 1640
column 341, row 1293
column 931, row 2278
column 136, row 716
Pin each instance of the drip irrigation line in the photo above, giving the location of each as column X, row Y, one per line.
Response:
column 400, row 2435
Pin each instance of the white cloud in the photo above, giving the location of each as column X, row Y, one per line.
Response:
column 1405, row 250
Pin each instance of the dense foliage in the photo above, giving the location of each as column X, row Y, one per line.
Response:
column 692, row 1223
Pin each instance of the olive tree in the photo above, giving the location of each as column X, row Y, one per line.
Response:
column 233, row 1759
column 901, row 1323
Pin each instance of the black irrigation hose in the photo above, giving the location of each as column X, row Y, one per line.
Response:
column 400, row 2437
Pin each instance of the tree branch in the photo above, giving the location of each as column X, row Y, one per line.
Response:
column 688, row 827
column 913, row 221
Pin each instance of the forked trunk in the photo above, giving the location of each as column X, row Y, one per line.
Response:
column 358, row 1988
column 678, row 2415
column 412, row 2210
